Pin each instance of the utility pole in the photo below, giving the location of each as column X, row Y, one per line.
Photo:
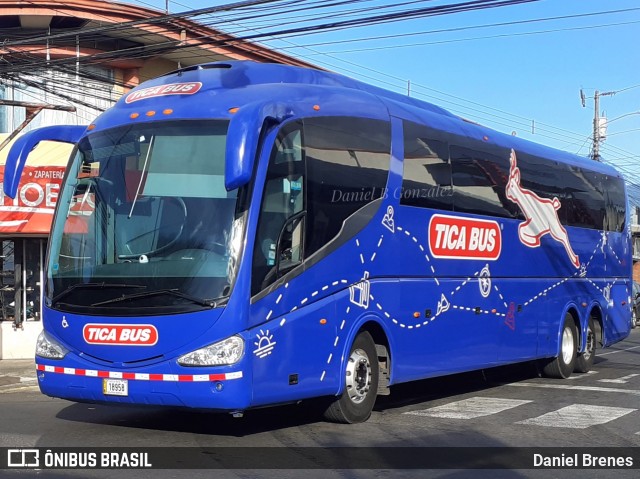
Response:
column 598, row 135
column 595, row 149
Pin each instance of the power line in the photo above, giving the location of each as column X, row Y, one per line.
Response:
column 364, row 21
column 145, row 51
column 487, row 37
column 470, row 27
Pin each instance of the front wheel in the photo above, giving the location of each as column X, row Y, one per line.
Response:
column 584, row 361
column 360, row 383
column 634, row 318
column 563, row 365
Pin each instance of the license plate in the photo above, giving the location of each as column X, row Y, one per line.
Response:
column 115, row 387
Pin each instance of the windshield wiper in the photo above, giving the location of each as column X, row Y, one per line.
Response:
column 142, row 176
column 102, row 285
column 146, row 294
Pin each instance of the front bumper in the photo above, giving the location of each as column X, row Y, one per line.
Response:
column 224, row 388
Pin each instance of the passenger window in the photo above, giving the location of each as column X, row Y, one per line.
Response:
column 426, row 179
column 614, row 204
column 347, row 168
column 318, row 177
column 480, row 180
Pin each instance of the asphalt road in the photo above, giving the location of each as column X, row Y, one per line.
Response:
column 510, row 407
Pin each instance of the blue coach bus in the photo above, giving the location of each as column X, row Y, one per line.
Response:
column 235, row 235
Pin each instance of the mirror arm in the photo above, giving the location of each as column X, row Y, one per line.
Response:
column 291, row 219
column 17, row 156
column 243, row 139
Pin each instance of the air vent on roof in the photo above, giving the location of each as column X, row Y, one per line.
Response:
column 206, row 66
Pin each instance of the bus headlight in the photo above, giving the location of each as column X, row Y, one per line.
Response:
column 225, row 352
column 47, row 347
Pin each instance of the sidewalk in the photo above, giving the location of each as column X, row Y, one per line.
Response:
column 16, row 371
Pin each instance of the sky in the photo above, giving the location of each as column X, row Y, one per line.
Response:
column 522, row 79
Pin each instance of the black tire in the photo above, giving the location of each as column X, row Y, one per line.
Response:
column 562, row 366
column 634, row 318
column 360, row 383
column 584, row 361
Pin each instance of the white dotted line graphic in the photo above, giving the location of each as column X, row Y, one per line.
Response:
column 422, row 251
column 335, row 342
column 544, row 292
column 504, row 301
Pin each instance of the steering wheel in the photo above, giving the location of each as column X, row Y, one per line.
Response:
column 129, row 246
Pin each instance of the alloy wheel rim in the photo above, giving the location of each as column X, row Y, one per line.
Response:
column 567, row 345
column 358, row 376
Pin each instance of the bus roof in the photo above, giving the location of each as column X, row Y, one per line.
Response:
column 232, row 84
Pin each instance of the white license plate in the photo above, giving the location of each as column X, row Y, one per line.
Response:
column 115, row 387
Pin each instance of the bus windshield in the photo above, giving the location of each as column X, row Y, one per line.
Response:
column 144, row 223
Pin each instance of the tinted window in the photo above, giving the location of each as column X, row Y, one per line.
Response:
column 347, row 167
column 614, row 204
column 451, row 172
column 318, row 176
column 588, row 199
column 283, row 197
column 480, row 174
column 584, row 200
column 426, row 180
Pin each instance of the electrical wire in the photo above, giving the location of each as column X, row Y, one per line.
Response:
column 146, row 51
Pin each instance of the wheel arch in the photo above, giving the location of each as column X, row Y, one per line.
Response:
column 572, row 310
column 595, row 313
column 382, row 338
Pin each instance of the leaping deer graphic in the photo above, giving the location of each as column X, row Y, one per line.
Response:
column 540, row 213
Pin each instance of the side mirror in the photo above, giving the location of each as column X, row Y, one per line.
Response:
column 243, row 138
column 17, row 156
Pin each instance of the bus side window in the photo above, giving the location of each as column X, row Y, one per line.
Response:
column 347, row 168
column 283, row 197
column 314, row 183
column 480, row 174
column 426, row 179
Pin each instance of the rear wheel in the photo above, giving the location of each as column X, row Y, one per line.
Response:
column 584, row 361
column 360, row 383
column 634, row 318
column 562, row 366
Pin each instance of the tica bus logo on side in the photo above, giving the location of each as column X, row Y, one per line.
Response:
column 120, row 334
column 464, row 238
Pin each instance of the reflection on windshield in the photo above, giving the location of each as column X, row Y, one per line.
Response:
column 145, row 206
